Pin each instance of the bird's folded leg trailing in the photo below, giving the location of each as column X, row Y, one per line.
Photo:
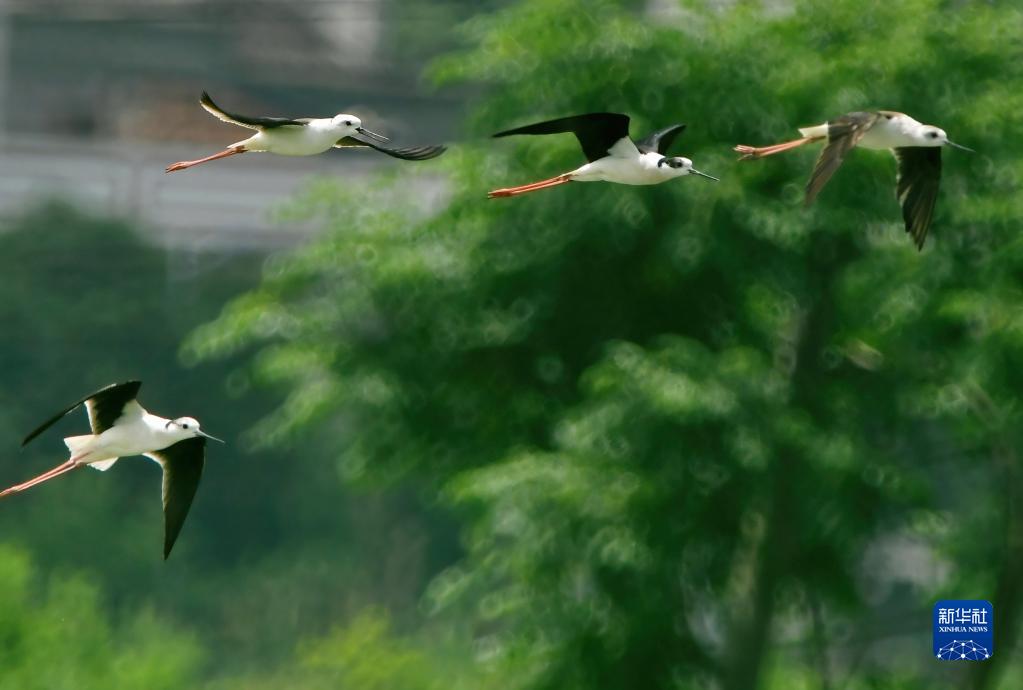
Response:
column 536, row 186
column 183, row 165
column 63, row 468
column 751, row 152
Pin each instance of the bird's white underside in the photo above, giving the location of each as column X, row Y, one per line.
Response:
column 624, row 164
column 136, row 432
column 292, row 140
column 901, row 130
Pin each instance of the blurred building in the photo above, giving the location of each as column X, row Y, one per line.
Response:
column 97, row 96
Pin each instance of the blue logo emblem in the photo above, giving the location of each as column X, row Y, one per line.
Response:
column 964, row 630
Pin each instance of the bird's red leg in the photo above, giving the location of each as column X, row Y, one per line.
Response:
column 173, row 167
column 71, row 464
column 749, row 152
column 523, row 189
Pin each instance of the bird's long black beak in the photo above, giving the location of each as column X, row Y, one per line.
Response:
column 374, row 135
column 694, row 171
column 959, row 146
column 212, row 438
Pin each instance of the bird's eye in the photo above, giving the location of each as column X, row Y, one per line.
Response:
column 933, row 135
column 184, row 426
column 348, row 123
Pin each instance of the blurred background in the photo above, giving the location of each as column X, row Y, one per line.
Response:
column 690, row 436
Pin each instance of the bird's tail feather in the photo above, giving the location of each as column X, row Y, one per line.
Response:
column 80, row 447
column 103, row 465
column 78, row 444
column 817, row 131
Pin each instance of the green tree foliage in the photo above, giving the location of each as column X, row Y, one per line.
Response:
column 696, row 433
column 56, row 634
column 367, row 653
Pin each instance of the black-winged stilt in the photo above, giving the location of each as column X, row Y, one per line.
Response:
column 613, row 156
column 917, row 148
column 302, row 137
column 121, row 427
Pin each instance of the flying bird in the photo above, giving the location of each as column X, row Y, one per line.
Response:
column 303, row 137
column 917, row 148
column 613, row 156
column 121, row 427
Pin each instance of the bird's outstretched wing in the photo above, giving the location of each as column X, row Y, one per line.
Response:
column 917, row 188
column 408, row 153
column 245, row 121
column 182, row 466
column 105, row 407
column 597, row 132
column 843, row 134
column 660, row 141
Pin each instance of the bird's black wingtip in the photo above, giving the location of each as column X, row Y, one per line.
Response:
column 433, row 151
column 414, row 153
column 35, row 434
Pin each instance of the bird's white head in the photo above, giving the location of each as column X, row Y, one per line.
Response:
column 929, row 135
column 344, row 121
column 347, row 125
column 678, row 167
column 186, row 427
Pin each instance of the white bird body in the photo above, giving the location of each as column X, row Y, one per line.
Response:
column 136, row 432
column 612, row 154
column 892, row 131
column 316, row 136
column 302, row 136
column 624, row 167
